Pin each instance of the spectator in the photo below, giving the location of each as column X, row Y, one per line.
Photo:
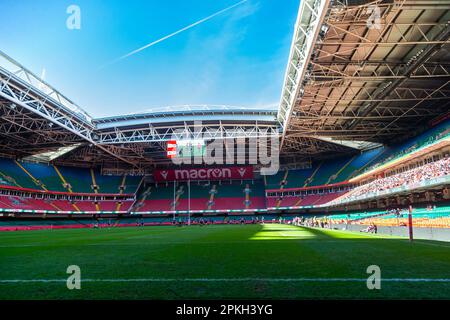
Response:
column 426, row 172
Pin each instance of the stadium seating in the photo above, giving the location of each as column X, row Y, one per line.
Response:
column 308, row 200
column 113, row 184
column 233, row 196
column 342, row 169
column 157, row 198
column 419, row 174
column 275, row 181
column 14, row 202
column 79, row 179
column 86, row 205
column 64, row 205
column 130, row 184
column 438, row 217
column 109, row 206
column 63, row 179
column 13, row 175
column 302, row 201
column 356, row 164
column 84, row 180
column 46, row 174
column 430, row 136
column 298, row 178
column 292, row 178
column 354, row 216
column 224, row 196
column 326, row 172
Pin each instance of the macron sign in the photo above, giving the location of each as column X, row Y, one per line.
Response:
column 226, row 173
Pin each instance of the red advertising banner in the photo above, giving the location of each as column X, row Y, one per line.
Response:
column 223, row 173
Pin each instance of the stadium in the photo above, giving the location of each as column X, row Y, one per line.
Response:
column 352, row 170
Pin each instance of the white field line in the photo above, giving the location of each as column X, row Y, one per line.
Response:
column 444, row 280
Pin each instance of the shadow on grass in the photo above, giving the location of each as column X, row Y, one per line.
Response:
column 275, row 232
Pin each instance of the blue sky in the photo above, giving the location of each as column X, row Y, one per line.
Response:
column 237, row 58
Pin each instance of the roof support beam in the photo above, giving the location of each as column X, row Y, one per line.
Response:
column 307, row 28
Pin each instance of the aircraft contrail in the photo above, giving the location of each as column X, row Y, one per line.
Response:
column 176, row 32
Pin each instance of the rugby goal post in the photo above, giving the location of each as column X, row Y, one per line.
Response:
column 410, row 224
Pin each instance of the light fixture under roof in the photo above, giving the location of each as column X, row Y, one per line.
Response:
column 51, row 155
column 355, row 144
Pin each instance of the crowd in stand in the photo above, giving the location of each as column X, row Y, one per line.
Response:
column 417, row 145
column 426, row 172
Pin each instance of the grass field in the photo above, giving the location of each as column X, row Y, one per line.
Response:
column 219, row 262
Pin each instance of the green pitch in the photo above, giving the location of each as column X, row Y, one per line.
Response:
column 219, row 262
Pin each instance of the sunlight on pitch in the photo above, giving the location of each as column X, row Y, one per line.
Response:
column 281, row 232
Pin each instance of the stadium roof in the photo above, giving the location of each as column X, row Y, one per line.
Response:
column 37, row 120
column 187, row 113
column 365, row 70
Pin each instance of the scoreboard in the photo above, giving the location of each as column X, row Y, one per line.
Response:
column 186, row 148
column 171, row 149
